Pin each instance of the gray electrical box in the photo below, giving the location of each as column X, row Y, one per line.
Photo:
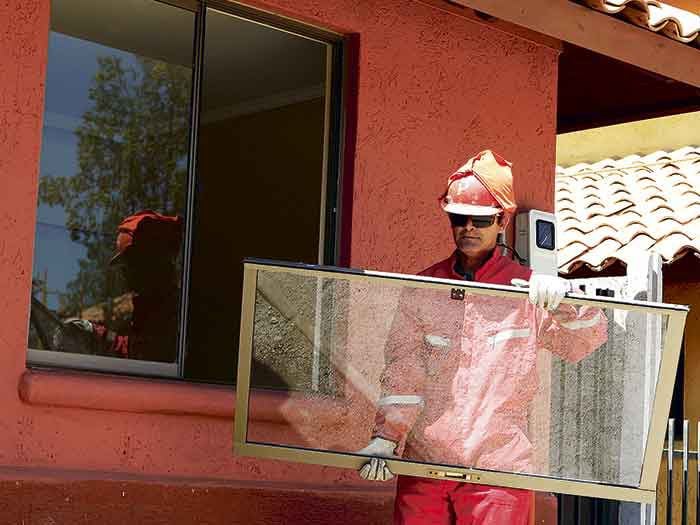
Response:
column 536, row 240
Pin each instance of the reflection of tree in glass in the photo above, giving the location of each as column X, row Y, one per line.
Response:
column 132, row 153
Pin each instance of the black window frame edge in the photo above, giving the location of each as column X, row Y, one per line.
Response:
column 188, row 5
column 191, row 183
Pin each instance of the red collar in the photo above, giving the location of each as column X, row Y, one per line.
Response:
column 483, row 269
column 497, row 269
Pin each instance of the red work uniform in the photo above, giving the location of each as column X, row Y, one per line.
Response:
column 457, row 386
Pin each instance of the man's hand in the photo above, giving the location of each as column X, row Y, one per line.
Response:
column 547, row 291
column 377, row 469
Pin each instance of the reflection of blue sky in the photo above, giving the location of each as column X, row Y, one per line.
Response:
column 57, row 255
column 58, row 158
column 71, row 68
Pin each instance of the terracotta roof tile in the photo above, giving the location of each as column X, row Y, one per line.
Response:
column 612, row 209
column 653, row 15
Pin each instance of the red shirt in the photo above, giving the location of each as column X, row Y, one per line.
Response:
column 496, row 270
column 460, row 375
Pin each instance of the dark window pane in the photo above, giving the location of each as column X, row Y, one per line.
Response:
column 676, row 412
column 544, row 234
column 260, row 178
column 115, row 143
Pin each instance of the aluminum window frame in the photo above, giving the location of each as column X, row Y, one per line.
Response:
column 644, row 493
column 330, row 191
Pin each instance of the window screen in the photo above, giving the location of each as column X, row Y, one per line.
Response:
column 481, row 386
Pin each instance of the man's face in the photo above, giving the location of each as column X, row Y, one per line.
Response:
column 475, row 236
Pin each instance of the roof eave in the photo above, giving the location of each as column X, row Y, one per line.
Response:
column 584, row 27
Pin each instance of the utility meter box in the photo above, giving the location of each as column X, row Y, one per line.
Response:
column 536, row 240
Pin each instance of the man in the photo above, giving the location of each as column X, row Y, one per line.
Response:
column 460, row 375
column 147, row 247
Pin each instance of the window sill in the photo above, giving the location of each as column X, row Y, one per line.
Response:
column 94, row 391
column 71, row 389
column 100, row 363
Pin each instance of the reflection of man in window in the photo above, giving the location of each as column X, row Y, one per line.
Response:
column 148, row 244
column 460, row 375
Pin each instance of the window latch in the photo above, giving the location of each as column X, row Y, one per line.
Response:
column 446, row 474
column 457, row 294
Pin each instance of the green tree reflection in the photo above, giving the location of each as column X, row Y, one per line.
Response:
column 132, row 155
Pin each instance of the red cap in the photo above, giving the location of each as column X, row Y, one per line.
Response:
column 149, row 230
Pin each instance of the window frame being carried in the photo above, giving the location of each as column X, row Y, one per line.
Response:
column 645, row 492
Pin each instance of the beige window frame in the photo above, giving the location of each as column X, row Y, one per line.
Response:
column 644, row 492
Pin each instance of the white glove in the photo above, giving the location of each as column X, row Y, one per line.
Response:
column 547, row 291
column 377, row 469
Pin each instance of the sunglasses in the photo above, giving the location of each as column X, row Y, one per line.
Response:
column 478, row 221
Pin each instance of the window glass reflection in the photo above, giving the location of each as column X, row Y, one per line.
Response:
column 260, row 177
column 112, row 180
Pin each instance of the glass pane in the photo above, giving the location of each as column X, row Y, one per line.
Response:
column 480, row 380
column 115, row 144
column 259, row 175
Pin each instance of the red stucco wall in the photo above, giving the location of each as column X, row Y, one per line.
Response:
column 432, row 88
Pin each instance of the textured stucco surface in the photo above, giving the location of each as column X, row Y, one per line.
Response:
column 433, row 88
column 23, row 49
